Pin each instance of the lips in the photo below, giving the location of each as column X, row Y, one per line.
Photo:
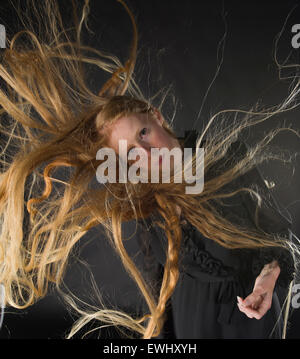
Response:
column 159, row 160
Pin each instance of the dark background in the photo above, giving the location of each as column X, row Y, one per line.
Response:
column 178, row 46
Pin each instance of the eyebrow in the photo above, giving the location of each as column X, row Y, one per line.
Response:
column 138, row 130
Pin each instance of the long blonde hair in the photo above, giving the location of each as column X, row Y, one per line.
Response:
column 52, row 120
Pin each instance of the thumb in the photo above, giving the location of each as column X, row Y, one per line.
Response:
column 251, row 299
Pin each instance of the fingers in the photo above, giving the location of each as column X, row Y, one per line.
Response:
column 258, row 307
column 253, row 300
column 252, row 313
column 243, row 308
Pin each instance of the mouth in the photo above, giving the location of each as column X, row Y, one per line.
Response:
column 159, row 160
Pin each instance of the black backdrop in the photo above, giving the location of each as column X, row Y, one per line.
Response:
column 178, row 43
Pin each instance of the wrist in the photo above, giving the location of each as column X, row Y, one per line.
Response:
column 272, row 269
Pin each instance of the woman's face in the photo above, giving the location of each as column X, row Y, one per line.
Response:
column 141, row 130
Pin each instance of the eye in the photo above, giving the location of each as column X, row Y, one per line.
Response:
column 143, row 131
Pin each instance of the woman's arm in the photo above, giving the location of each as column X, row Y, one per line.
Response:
column 259, row 301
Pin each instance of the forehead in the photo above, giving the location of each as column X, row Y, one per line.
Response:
column 126, row 126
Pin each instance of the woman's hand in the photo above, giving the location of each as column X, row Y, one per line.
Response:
column 259, row 301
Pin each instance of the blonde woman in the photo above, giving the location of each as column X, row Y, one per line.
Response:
column 211, row 251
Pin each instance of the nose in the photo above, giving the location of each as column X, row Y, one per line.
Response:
column 146, row 147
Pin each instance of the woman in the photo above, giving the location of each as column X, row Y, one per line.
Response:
column 212, row 278
column 207, row 286
column 55, row 121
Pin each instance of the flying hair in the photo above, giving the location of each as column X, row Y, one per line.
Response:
column 53, row 124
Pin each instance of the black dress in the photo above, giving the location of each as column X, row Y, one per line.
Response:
column 203, row 304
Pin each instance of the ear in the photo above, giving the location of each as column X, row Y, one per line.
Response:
column 104, row 129
column 158, row 115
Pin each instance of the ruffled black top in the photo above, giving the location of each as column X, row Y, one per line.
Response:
column 206, row 260
column 195, row 251
column 246, row 264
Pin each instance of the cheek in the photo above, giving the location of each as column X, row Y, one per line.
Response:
column 161, row 139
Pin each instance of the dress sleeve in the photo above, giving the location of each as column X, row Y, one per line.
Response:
column 270, row 218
